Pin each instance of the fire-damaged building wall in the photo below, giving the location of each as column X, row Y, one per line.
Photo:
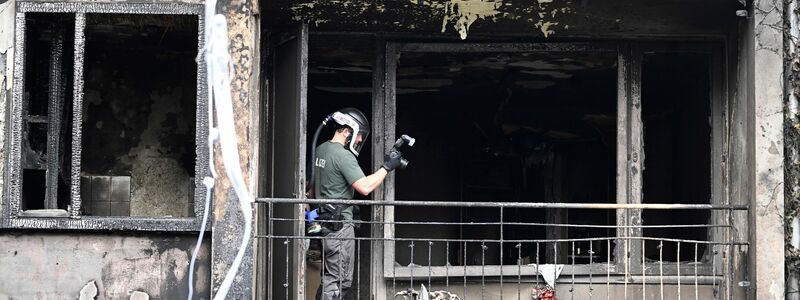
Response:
column 722, row 92
column 153, row 130
column 510, row 127
column 7, row 11
column 140, row 99
column 792, row 148
column 100, row 266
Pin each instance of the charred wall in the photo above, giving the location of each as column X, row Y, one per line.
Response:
column 481, row 19
column 59, row 265
column 792, row 149
column 6, row 62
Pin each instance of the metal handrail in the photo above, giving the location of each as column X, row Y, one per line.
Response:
column 495, row 204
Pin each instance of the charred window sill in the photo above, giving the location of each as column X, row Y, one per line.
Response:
column 105, row 223
column 99, row 7
column 44, row 213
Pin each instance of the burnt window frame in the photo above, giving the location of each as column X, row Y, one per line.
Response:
column 11, row 216
column 630, row 150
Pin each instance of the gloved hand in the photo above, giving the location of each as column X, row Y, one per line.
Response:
column 391, row 160
column 312, row 215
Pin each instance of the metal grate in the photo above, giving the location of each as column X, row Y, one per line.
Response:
column 601, row 267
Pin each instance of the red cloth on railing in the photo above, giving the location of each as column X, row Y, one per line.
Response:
column 543, row 294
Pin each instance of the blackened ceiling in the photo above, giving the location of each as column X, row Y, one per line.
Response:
column 467, row 19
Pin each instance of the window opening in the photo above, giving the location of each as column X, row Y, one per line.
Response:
column 138, row 145
column 47, row 177
column 49, row 39
column 515, row 127
column 676, row 110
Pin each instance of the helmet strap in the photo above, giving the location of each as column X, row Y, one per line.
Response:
column 349, row 137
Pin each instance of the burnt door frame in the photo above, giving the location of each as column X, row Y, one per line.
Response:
column 287, row 116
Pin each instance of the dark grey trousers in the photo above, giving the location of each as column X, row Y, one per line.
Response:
column 337, row 264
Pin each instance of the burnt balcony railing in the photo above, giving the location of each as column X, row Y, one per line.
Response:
column 502, row 250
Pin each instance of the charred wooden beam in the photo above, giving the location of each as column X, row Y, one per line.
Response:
column 55, row 107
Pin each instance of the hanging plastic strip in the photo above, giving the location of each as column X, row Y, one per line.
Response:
column 218, row 62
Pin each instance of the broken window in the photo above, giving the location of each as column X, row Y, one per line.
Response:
column 506, row 127
column 46, row 114
column 544, row 126
column 129, row 149
column 140, row 98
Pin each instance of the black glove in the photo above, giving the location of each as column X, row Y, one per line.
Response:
column 391, row 160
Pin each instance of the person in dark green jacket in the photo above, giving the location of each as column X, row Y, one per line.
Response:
column 337, row 175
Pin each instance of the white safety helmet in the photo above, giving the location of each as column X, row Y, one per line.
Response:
column 356, row 120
